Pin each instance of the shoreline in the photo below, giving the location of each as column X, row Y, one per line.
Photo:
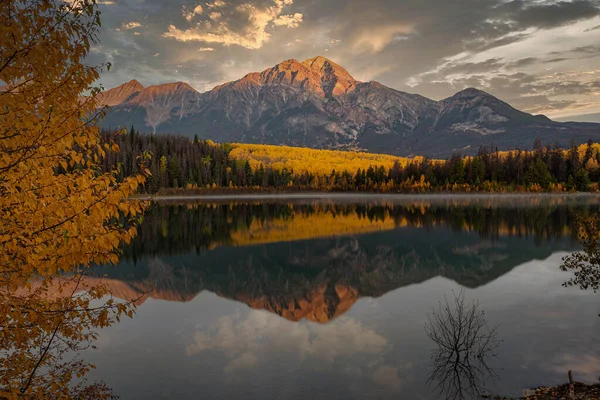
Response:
column 365, row 196
column 572, row 390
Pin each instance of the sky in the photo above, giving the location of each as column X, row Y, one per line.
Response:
column 541, row 56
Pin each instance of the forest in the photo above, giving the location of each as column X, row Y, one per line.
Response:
column 176, row 163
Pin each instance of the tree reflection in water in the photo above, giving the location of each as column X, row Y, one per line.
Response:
column 585, row 264
column 465, row 344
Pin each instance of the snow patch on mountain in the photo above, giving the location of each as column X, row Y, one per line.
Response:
column 486, row 114
column 474, row 127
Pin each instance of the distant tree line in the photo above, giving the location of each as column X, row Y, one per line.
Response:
column 544, row 168
column 178, row 162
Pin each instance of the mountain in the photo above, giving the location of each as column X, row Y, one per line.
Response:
column 317, row 103
column 152, row 106
column 120, row 94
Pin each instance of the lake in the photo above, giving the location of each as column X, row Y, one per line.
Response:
column 329, row 296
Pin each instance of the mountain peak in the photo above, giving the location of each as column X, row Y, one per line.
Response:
column 166, row 93
column 173, row 86
column 120, row 94
column 335, row 80
column 471, row 91
column 324, row 66
column 317, row 75
column 473, row 110
column 317, row 61
column 287, row 64
column 472, row 94
column 134, row 83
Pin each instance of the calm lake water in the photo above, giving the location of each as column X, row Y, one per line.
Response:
column 328, row 298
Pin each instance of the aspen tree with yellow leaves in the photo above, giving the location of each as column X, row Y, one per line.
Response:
column 58, row 213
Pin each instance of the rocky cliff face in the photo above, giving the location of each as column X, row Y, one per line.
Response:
column 317, row 103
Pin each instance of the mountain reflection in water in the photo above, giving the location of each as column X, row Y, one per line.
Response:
column 315, row 260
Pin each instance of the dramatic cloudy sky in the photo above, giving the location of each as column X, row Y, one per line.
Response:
column 539, row 55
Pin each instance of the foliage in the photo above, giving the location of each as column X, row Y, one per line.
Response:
column 313, row 161
column 204, row 165
column 174, row 161
column 582, row 180
column 538, row 174
column 58, row 212
column 585, row 264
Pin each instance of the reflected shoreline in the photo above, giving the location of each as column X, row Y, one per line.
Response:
column 498, row 198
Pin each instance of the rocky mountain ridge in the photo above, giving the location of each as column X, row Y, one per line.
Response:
column 120, row 94
column 317, row 103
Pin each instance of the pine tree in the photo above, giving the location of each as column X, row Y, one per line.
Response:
column 582, row 180
column 537, row 173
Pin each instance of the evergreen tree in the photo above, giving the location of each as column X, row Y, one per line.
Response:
column 573, row 164
column 537, row 173
column 457, row 169
column 582, row 180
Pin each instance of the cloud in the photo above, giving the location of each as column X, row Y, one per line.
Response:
column 249, row 342
column 236, row 336
column 131, row 25
column 590, row 49
column 387, row 376
column 216, row 4
column 550, row 14
column 554, row 60
column 594, row 28
column 206, row 49
column 246, row 25
column 293, row 42
column 215, row 15
column 471, row 68
column 376, row 38
column 190, row 14
column 289, row 21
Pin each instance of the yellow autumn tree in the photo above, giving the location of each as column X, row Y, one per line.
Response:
column 58, row 212
column 299, row 159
